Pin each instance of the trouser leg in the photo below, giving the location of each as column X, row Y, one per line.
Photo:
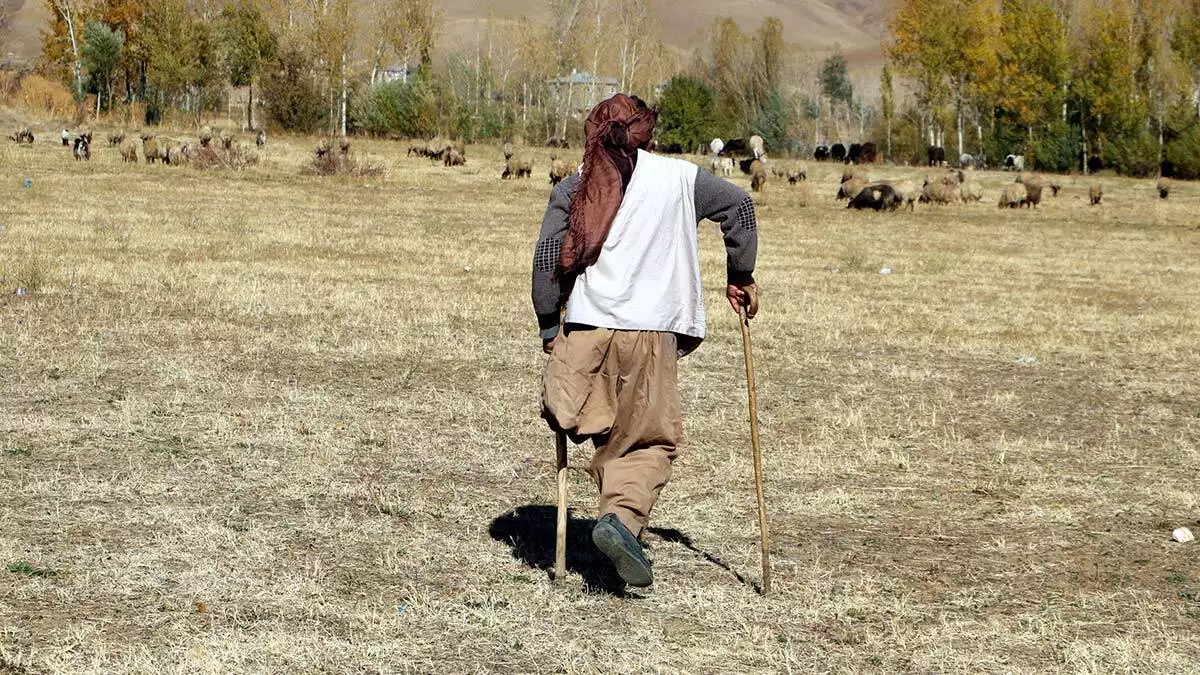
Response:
column 632, row 463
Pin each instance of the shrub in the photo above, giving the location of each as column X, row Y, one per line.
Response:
column 334, row 164
column 397, row 108
column 1183, row 152
column 216, row 157
column 1134, row 154
column 1057, row 150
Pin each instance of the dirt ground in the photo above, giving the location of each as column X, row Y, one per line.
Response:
column 259, row 421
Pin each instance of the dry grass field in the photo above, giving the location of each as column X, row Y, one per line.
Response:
column 266, row 422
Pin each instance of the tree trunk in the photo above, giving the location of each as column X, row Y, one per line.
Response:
column 250, row 105
column 345, row 94
column 68, row 14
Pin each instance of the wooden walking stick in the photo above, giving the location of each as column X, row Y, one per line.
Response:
column 560, row 539
column 764, row 539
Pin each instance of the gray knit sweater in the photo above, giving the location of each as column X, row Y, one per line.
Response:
column 716, row 199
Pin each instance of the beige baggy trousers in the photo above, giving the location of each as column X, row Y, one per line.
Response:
column 619, row 389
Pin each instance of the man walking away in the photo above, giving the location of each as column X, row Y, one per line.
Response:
column 619, row 251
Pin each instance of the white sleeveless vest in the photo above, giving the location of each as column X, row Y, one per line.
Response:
column 648, row 274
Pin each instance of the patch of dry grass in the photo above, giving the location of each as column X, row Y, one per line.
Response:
column 267, row 422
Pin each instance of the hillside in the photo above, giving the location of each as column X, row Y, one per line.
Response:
column 855, row 25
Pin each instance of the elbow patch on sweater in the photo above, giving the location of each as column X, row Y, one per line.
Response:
column 745, row 215
column 546, row 255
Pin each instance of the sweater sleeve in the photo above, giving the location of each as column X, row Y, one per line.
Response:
column 730, row 207
column 547, row 296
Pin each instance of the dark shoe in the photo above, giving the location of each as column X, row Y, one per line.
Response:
column 616, row 541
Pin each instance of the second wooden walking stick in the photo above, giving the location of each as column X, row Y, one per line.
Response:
column 560, row 538
column 765, row 539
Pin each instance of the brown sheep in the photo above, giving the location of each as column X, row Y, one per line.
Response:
column 797, row 174
column 416, row 149
column 206, row 137
column 343, row 146
column 559, row 170
column 509, row 151
column 518, row 167
column 460, row 147
column 939, row 192
column 1096, row 194
column 970, row 192
column 23, row 135
column 116, row 138
column 758, row 176
column 1033, row 189
column 454, row 158
column 1164, row 186
column 851, row 187
column 1013, row 196
column 150, row 147
column 129, row 151
column 260, row 138
column 436, row 149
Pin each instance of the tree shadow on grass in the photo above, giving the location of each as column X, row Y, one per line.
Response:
column 529, row 531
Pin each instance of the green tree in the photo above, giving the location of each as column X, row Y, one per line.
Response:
column 686, row 115
column 835, row 79
column 294, row 102
column 101, row 56
column 887, row 102
column 247, row 45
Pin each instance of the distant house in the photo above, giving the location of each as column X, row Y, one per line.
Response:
column 397, row 73
column 582, row 90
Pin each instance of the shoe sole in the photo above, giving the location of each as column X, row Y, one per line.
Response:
column 630, row 564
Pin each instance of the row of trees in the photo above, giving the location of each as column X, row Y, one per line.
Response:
column 341, row 65
column 1060, row 80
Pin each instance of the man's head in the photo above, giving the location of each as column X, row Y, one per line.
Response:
column 621, row 123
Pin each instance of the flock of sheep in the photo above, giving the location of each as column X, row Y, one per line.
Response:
column 749, row 156
column 153, row 149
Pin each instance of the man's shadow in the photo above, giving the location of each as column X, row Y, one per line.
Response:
column 530, row 532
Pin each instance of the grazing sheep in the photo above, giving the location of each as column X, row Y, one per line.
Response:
column 1033, row 190
column 908, row 193
column 23, row 135
column 1055, row 188
column 461, row 147
column 509, row 151
column 129, row 151
column 150, row 147
column 936, row 155
column 821, row 154
column 116, row 138
column 518, row 167
column 66, row 138
column 206, row 137
column 455, row 158
column 1095, row 194
column 758, row 176
column 435, row 150
column 178, row 155
column 559, row 170
column 939, row 192
column 970, row 192
column 722, row 166
column 838, row 152
column 1164, row 186
column 868, row 154
column 260, row 138
column 1013, row 196
column 1095, row 164
column 850, row 188
column 854, row 172
column 83, row 148
column 1015, row 163
column 418, row 150
column 876, row 196
column 797, row 174
column 757, row 147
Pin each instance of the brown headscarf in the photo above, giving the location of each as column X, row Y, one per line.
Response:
column 616, row 129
